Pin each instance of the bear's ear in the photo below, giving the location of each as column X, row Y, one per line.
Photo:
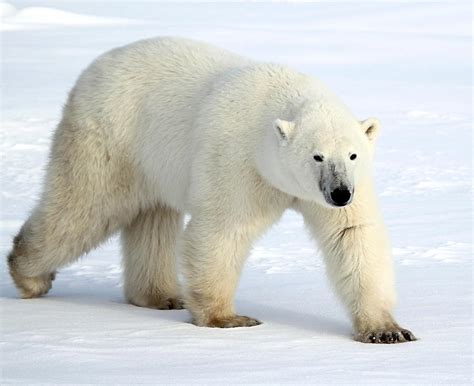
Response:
column 283, row 129
column 370, row 127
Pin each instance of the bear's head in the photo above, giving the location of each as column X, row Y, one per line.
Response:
column 320, row 154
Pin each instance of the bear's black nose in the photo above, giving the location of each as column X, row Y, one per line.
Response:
column 341, row 196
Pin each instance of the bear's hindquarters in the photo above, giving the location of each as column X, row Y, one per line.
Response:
column 90, row 192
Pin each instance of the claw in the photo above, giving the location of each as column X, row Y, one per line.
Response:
column 408, row 335
column 388, row 337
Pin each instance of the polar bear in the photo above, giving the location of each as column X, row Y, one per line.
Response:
column 168, row 126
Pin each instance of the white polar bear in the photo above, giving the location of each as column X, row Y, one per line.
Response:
column 169, row 126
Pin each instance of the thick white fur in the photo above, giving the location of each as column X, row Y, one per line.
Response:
column 168, row 126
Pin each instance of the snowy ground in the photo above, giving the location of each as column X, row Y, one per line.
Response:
column 407, row 63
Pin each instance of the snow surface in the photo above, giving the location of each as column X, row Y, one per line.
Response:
column 409, row 64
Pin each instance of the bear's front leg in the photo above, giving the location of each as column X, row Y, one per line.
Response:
column 359, row 264
column 213, row 254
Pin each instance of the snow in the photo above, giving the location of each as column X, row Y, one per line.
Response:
column 42, row 17
column 409, row 64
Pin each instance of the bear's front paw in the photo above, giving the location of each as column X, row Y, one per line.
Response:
column 232, row 321
column 387, row 336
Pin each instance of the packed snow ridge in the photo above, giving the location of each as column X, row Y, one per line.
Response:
column 42, row 17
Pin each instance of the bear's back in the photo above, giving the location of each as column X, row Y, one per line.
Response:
column 172, row 73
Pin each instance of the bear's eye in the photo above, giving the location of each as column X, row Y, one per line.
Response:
column 318, row 158
column 353, row 157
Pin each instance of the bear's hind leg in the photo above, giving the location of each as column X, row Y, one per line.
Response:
column 89, row 193
column 149, row 249
column 55, row 235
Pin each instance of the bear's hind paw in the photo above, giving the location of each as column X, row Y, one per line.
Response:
column 159, row 302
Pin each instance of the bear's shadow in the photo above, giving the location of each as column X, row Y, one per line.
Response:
column 309, row 321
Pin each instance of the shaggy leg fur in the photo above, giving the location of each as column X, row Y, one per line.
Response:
column 358, row 261
column 43, row 246
column 88, row 195
column 213, row 257
column 149, row 248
